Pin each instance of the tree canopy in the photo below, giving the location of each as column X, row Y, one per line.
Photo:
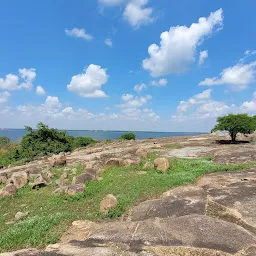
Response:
column 235, row 123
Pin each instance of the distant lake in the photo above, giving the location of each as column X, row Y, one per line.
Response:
column 15, row 134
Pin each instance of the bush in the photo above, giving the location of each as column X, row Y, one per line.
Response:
column 128, row 136
column 239, row 123
column 83, row 142
column 4, row 141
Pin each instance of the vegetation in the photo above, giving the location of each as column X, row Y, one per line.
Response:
column 50, row 215
column 236, row 123
column 40, row 142
column 4, row 141
column 128, row 136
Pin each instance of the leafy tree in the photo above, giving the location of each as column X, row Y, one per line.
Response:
column 128, row 136
column 83, row 142
column 236, row 123
column 4, row 141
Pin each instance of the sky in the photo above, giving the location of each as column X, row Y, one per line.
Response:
column 126, row 64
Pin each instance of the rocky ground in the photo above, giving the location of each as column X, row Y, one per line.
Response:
column 216, row 216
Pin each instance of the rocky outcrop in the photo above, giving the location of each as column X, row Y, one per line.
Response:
column 58, row 160
column 19, row 179
column 8, row 190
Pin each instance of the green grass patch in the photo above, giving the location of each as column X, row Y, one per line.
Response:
column 173, row 146
column 50, row 215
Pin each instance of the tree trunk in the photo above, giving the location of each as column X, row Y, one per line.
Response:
column 233, row 136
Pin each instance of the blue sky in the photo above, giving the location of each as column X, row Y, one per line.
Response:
column 126, row 64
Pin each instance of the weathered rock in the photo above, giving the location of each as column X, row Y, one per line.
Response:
column 61, row 190
column 39, row 182
column 19, row 179
column 57, row 160
column 62, row 182
column 20, row 215
column 64, row 176
column 141, row 152
column 24, row 252
column 76, row 189
column 108, row 203
column 161, row 164
column 8, row 190
column 74, row 171
column 113, row 162
column 90, row 174
column 46, row 174
column 130, row 162
column 148, row 165
column 3, row 179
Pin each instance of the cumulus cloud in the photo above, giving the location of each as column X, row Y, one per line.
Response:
column 238, row 76
column 4, row 97
column 137, row 14
column 202, row 57
column 250, row 106
column 139, row 88
column 110, row 2
column 11, row 81
column 160, row 83
column 108, row 42
column 135, row 102
column 127, row 97
column 178, row 46
column 40, row 90
column 89, row 83
column 78, row 33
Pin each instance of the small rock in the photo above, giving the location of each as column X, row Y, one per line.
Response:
column 8, row 190
column 19, row 179
column 9, row 222
column 108, row 203
column 20, row 215
column 161, row 164
column 62, row 182
column 74, row 171
column 130, row 162
column 148, row 165
column 64, row 176
column 90, row 174
column 61, row 190
column 3, row 179
column 141, row 152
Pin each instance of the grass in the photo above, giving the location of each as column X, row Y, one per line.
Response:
column 50, row 215
column 173, row 146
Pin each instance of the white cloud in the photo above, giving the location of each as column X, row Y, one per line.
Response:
column 127, row 97
column 139, row 87
column 88, row 84
column 178, row 46
column 137, row 14
column 52, row 102
column 202, row 57
column 40, row 90
column 250, row 106
column 4, row 97
column 135, row 102
column 108, row 42
column 78, row 33
column 110, row 2
column 160, row 83
column 238, row 76
column 11, row 81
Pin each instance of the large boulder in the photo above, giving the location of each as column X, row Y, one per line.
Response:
column 8, row 190
column 113, row 162
column 39, row 181
column 141, row 152
column 108, row 203
column 19, row 179
column 57, row 160
column 130, row 162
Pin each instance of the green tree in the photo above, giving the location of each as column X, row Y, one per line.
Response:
column 236, row 123
column 128, row 136
column 4, row 141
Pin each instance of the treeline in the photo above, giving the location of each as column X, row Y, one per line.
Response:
column 37, row 143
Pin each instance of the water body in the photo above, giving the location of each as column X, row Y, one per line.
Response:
column 16, row 134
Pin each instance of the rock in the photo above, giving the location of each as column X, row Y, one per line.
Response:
column 113, row 162
column 108, row 203
column 148, row 165
column 24, row 252
column 20, row 215
column 130, row 162
column 61, row 190
column 75, row 189
column 8, row 190
column 19, row 179
column 141, row 152
column 90, row 174
column 46, row 174
column 58, row 160
column 62, row 182
column 74, row 171
column 3, row 179
column 39, row 182
column 161, row 164
column 64, row 176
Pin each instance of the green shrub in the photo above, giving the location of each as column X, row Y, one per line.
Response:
column 128, row 136
column 83, row 142
column 4, row 141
